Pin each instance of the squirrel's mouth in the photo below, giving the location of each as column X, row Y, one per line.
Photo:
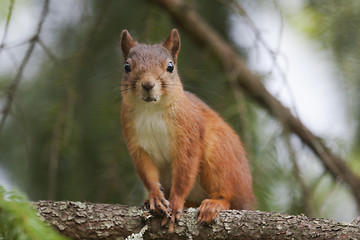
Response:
column 152, row 98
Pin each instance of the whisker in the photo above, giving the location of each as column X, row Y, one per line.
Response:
column 160, row 76
column 126, row 89
column 130, row 79
column 171, row 84
column 204, row 91
column 121, row 85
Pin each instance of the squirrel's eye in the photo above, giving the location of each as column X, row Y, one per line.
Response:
column 127, row 67
column 170, row 67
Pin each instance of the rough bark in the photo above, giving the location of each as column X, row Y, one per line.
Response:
column 79, row 220
column 201, row 33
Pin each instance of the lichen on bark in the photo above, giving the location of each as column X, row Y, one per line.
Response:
column 106, row 221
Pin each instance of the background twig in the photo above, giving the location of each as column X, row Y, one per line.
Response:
column 15, row 83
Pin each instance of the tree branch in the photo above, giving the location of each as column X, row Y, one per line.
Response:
column 104, row 221
column 8, row 18
column 202, row 34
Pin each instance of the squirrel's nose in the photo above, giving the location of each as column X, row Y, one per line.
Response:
column 147, row 85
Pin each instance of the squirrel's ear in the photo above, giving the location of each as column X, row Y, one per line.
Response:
column 172, row 44
column 126, row 43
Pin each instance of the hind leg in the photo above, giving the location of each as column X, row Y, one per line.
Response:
column 210, row 209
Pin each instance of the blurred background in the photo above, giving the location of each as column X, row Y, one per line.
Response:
column 61, row 137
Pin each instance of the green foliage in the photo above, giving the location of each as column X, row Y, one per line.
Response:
column 19, row 221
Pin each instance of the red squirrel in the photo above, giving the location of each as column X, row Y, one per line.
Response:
column 182, row 150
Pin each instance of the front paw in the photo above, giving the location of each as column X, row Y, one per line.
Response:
column 173, row 216
column 158, row 203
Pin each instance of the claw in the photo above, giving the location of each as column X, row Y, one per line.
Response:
column 146, row 205
column 164, row 221
column 172, row 223
column 168, row 213
column 165, row 202
column 171, row 228
column 151, row 201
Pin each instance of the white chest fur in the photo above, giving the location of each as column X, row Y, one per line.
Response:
column 152, row 134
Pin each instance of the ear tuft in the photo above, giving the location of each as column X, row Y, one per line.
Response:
column 126, row 43
column 172, row 44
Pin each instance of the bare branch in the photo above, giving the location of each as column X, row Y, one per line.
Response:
column 237, row 9
column 8, row 18
column 356, row 221
column 47, row 51
column 54, row 154
column 105, row 221
column 306, row 194
column 325, row 203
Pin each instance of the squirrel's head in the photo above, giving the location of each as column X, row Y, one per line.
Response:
column 150, row 72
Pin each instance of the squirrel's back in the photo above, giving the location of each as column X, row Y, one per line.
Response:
column 222, row 147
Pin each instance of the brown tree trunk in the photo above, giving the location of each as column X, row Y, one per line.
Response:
column 79, row 220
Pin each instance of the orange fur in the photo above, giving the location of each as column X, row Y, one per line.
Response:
column 177, row 141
